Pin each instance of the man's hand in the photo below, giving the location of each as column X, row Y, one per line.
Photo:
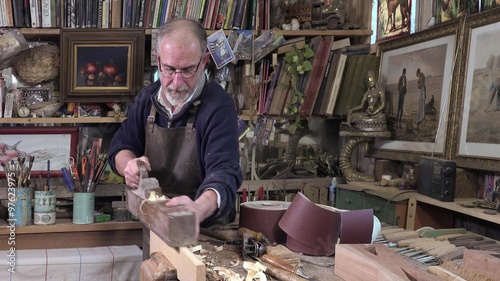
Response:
column 203, row 207
column 131, row 171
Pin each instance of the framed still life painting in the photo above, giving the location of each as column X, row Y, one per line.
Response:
column 101, row 65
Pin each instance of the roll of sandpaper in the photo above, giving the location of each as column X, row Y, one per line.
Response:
column 314, row 229
column 356, row 226
column 263, row 216
column 310, row 229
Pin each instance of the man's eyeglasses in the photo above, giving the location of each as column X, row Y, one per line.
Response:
column 186, row 73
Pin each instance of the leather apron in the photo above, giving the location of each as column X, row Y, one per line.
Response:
column 172, row 153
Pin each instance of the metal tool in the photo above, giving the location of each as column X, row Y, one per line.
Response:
column 147, row 184
column 257, row 250
column 252, row 248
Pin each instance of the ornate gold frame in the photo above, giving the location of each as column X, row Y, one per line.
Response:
column 408, row 154
column 481, row 162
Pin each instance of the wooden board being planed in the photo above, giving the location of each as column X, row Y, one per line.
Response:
column 176, row 226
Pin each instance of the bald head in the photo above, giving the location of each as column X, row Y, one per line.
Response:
column 182, row 31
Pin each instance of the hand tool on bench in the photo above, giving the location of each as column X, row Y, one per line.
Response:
column 176, row 226
column 257, row 250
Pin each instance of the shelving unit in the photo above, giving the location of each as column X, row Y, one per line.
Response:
column 65, row 234
column 62, row 120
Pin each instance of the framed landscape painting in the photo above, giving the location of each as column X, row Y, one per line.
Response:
column 416, row 75
column 478, row 131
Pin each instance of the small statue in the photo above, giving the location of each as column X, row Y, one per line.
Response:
column 369, row 114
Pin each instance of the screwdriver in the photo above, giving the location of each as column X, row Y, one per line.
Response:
column 66, row 174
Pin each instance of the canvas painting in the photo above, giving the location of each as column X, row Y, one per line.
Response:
column 394, row 18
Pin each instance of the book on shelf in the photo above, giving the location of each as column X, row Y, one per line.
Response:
column 366, row 63
column 116, row 13
column 305, row 80
column 272, row 87
column 289, row 45
column 18, row 12
column 350, row 73
column 322, row 92
column 238, row 16
column 319, row 68
column 340, row 59
column 329, row 89
column 280, row 91
column 9, row 14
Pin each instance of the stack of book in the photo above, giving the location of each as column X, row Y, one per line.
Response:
column 335, row 84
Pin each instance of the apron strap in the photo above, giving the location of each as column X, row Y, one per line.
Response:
column 151, row 119
column 192, row 118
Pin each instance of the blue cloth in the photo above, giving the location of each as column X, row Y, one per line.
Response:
column 216, row 139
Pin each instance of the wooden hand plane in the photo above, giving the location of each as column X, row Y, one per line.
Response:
column 176, row 226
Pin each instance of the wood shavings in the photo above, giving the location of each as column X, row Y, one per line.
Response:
column 235, row 262
column 196, row 248
column 255, row 271
column 228, row 274
column 154, row 197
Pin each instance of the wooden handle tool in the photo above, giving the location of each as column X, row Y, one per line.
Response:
column 281, row 274
column 283, row 265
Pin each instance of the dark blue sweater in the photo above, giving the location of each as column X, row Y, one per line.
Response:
column 216, row 139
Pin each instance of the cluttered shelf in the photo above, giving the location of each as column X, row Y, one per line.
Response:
column 307, row 32
column 66, row 225
column 55, row 120
column 393, row 193
column 65, row 234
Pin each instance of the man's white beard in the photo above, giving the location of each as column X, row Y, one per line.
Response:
column 177, row 96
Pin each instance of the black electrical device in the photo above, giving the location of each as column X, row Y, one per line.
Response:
column 436, row 178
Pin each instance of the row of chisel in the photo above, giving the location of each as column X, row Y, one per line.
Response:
column 434, row 246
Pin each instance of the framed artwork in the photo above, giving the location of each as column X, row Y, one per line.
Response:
column 393, row 18
column 479, row 93
column 488, row 4
column 56, row 144
column 448, row 10
column 101, row 65
column 416, row 75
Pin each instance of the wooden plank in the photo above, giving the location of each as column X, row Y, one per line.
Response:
column 174, row 225
column 188, row 266
column 484, row 262
column 410, row 215
column 376, row 262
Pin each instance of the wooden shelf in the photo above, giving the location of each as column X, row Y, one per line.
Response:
column 66, row 225
column 65, row 234
column 62, row 120
column 394, row 194
column 307, row 32
column 325, row 32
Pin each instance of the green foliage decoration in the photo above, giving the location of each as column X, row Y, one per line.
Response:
column 297, row 64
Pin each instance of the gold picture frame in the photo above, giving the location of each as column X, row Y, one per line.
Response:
column 101, row 65
column 433, row 51
column 476, row 130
